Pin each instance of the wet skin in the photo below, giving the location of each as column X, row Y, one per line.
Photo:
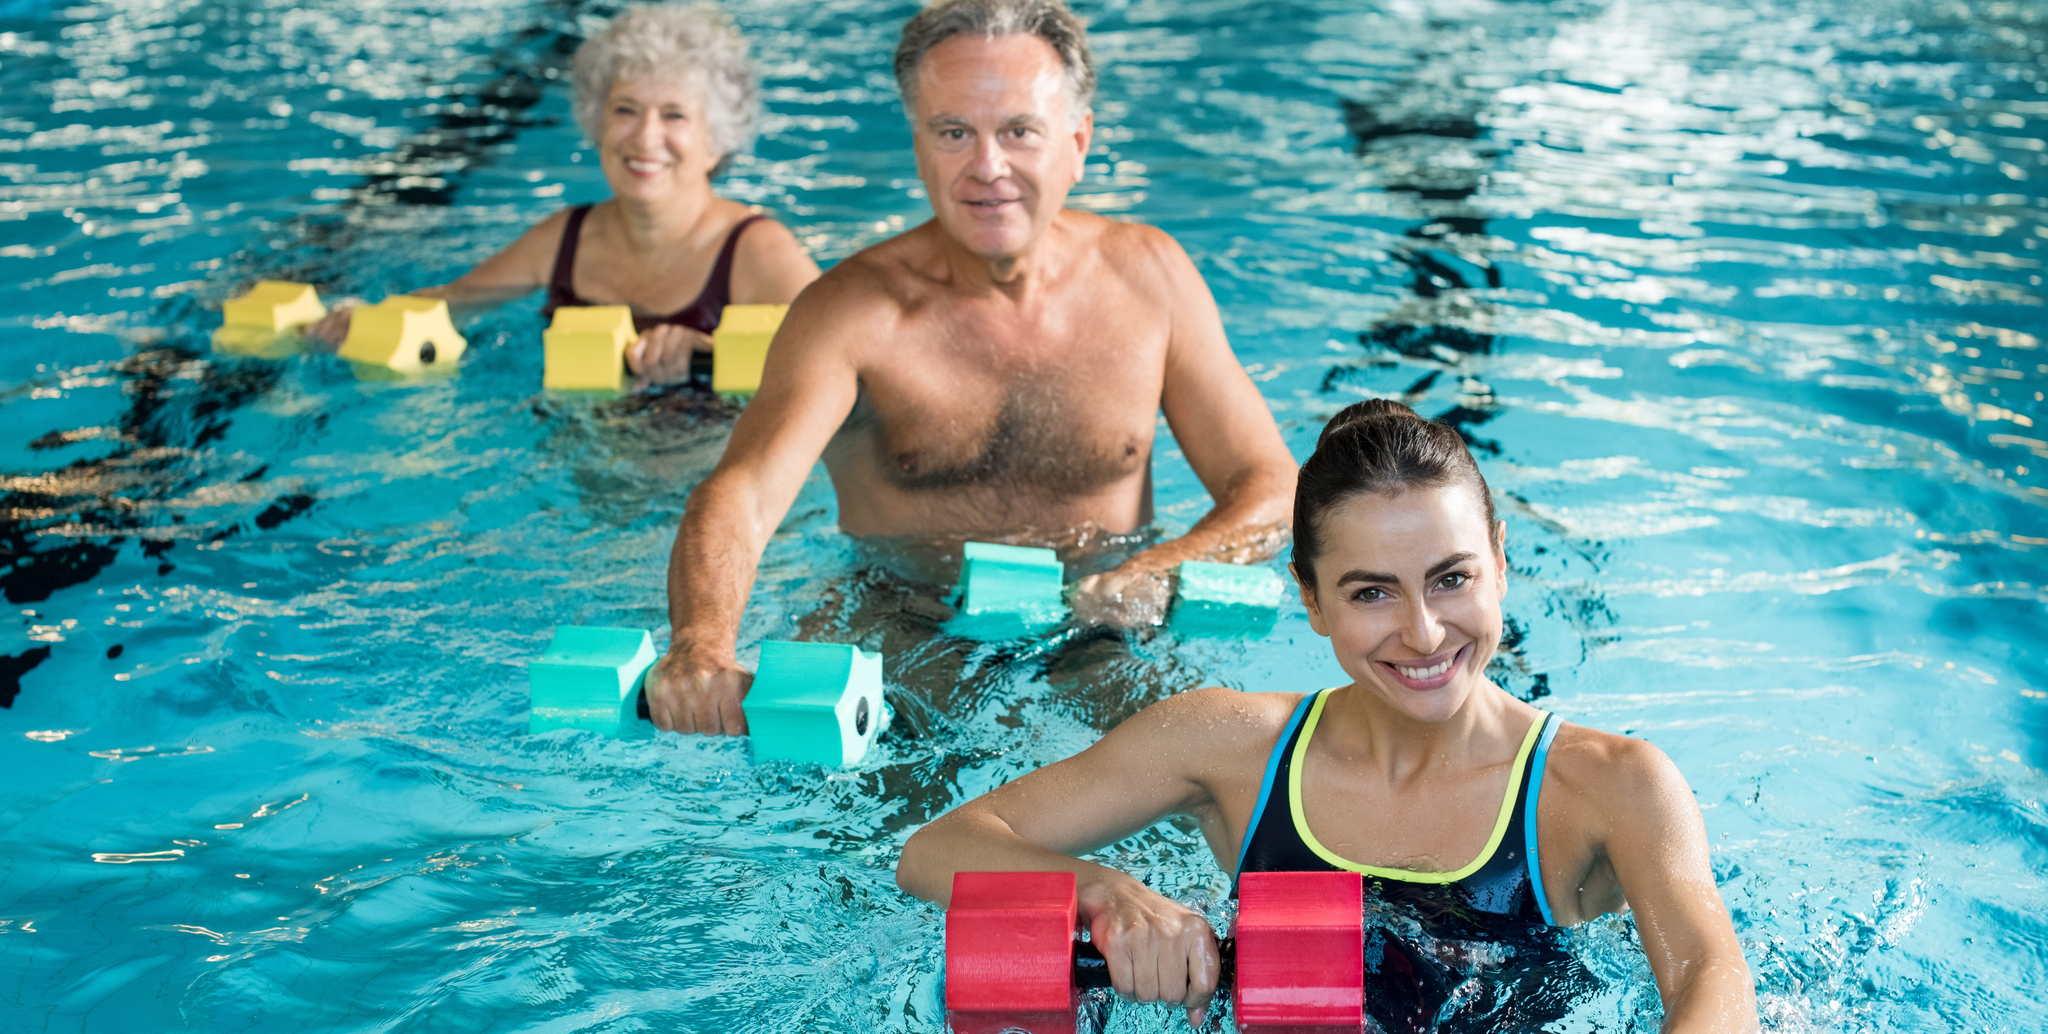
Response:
column 1406, row 770
column 653, row 245
column 996, row 373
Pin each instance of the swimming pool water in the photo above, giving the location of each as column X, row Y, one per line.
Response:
column 1741, row 304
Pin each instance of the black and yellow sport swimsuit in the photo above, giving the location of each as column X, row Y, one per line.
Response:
column 1470, row 950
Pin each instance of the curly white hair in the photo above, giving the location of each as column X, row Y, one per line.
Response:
column 693, row 43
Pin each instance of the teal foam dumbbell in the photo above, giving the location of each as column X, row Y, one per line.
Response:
column 1225, row 600
column 589, row 679
column 1008, row 591
column 814, row 702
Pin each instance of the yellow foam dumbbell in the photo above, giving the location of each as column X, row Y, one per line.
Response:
column 404, row 334
column 739, row 347
column 259, row 323
column 586, row 348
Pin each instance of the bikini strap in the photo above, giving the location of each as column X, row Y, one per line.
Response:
column 1532, row 790
column 562, row 284
column 718, row 289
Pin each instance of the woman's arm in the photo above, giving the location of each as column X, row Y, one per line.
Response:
column 1657, row 843
column 1147, row 768
column 520, row 267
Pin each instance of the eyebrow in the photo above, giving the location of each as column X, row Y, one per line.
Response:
column 943, row 121
column 1377, row 577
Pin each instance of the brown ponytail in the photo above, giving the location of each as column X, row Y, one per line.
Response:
column 1376, row 446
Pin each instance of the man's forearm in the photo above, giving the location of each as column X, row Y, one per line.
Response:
column 711, row 570
column 1250, row 522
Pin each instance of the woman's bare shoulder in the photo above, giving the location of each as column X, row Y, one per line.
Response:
column 1621, row 776
column 527, row 262
column 1214, row 720
column 546, row 235
column 770, row 264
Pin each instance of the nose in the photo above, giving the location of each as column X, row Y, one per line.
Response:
column 1421, row 630
column 648, row 132
column 990, row 162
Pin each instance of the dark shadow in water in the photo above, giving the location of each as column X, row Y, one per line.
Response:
column 1434, row 272
column 470, row 124
column 181, row 399
column 12, row 668
column 178, row 402
column 1437, row 274
column 1366, row 125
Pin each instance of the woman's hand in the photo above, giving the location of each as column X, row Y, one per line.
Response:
column 662, row 355
column 331, row 329
column 1157, row 951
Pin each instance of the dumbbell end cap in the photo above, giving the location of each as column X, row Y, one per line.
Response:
column 1008, row 591
column 1010, row 952
column 1226, row 600
column 590, row 679
column 814, row 702
column 1300, row 953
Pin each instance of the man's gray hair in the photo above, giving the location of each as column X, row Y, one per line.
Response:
column 1048, row 20
column 695, row 44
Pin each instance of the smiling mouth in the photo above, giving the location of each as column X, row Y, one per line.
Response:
column 633, row 165
column 1427, row 676
column 1426, row 673
column 997, row 203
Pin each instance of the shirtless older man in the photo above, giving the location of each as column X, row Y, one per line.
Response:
column 992, row 374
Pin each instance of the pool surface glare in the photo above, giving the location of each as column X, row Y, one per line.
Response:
column 1740, row 304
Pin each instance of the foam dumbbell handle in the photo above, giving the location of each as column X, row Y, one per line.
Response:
column 1091, row 970
column 827, row 740
column 860, row 728
column 1295, row 963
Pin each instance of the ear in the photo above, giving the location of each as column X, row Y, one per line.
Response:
column 1308, row 601
column 1500, row 557
column 1084, row 133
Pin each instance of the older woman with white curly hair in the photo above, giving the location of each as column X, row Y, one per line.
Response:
column 669, row 96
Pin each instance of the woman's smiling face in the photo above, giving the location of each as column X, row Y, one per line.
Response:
column 1408, row 589
column 655, row 142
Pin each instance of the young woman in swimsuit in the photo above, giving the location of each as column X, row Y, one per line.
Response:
column 669, row 97
column 1481, row 823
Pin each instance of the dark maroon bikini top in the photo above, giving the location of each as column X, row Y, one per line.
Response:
column 702, row 314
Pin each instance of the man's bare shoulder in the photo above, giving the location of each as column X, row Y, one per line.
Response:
column 885, row 280
column 867, row 297
column 1130, row 249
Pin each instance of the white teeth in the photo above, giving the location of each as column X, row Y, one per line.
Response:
column 1424, row 673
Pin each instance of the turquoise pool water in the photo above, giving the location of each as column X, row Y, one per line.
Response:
column 1741, row 303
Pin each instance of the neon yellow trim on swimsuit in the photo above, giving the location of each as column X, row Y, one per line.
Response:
column 1500, row 825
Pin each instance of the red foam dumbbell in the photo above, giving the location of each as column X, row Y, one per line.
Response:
column 1010, row 952
column 1300, row 952
column 1012, row 963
